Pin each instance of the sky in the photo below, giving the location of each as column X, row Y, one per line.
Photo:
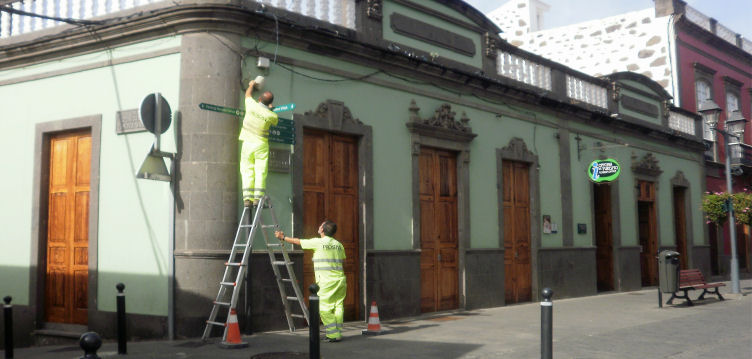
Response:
column 734, row 14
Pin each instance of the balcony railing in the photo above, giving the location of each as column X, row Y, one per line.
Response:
column 710, row 24
column 338, row 12
column 17, row 24
column 741, row 154
column 524, row 70
column 587, row 92
column 681, row 123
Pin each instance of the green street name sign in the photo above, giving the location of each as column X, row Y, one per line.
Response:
column 283, row 132
column 604, row 170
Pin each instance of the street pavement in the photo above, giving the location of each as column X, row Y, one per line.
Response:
column 610, row 325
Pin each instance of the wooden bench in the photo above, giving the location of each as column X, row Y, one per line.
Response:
column 691, row 279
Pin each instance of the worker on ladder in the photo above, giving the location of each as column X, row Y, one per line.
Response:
column 328, row 266
column 254, row 153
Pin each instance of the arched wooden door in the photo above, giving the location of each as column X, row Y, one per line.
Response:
column 330, row 191
column 67, row 266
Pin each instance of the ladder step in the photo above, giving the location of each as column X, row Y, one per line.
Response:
column 292, row 298
column 298, row 315
column 226, row 304
column 274, row 245
column 241, row 245
column 268, row 226
column 245, row 226
column 228, row 283
column 288, row 280
column 216, row 323
column 281, row 263
column 234, row 264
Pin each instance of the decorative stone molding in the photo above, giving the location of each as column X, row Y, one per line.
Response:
column 441, row 125
column 336, row 113
column 679, row 180
column 517, row 150
column 373, row 9
column 490, row 45
column 648, row 165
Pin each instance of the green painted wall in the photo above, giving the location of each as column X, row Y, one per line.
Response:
column 622, row 110
column 386, row 110
column 389, row 35
column 627, row 148
column 133, row 214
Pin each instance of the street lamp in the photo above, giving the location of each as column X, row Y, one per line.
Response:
column 711, row 112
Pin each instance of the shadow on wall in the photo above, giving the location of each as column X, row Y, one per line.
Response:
column 146, row 305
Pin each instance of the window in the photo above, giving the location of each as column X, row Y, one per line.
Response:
column 703, row 92
column 732, row 102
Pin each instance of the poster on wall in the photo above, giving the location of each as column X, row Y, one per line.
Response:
column 604, row 170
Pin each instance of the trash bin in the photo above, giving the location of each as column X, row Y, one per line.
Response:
column 668, row 271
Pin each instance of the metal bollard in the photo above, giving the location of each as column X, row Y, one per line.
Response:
column 90, row 342
column 313, row 322
column 547, row 309
column 122, row 334
column 8, row 315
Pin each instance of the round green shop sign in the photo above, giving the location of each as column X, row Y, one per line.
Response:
column 604, row 170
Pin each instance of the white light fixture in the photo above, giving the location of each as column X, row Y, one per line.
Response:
column 735, row 124
column 710, row 112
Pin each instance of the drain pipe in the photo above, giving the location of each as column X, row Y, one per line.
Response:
column 171, row 234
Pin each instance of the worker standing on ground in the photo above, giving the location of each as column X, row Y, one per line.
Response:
column 254, row 153
column 328, row 266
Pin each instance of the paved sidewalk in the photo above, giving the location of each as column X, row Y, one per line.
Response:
column 613, row 325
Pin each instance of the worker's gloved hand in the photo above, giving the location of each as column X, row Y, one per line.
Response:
column 280, row 235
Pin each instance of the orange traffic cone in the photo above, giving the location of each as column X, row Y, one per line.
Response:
column 232, row 340
column 374, row 327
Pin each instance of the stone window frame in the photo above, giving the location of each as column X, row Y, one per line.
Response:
column 706, row 74
column 40, row 198
column 516, row 150
column 732, row 88
column 443, row 132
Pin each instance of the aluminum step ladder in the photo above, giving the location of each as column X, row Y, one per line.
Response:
column 237, row 263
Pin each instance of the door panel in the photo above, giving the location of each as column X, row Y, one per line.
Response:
column 680, row 226
column 516, row 215
column 438, row 230
column 604, row 256
column 67, row 265
column 330, row 191
column 647, row 233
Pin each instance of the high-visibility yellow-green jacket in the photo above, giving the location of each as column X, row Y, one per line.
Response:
column 328, row 258
column 258, row 118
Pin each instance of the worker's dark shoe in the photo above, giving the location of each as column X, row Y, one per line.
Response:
column 332, row 340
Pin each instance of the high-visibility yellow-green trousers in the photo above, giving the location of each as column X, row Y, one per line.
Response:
column 332, row 306
column 254, row 165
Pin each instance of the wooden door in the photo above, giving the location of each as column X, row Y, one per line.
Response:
column 742, row 237
column 647, row 233
column 680, row 226
column 516, row 207
column 330, row 191
column 439, row 276
column 604, row 244
column 67, row 267
column 715, row 268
